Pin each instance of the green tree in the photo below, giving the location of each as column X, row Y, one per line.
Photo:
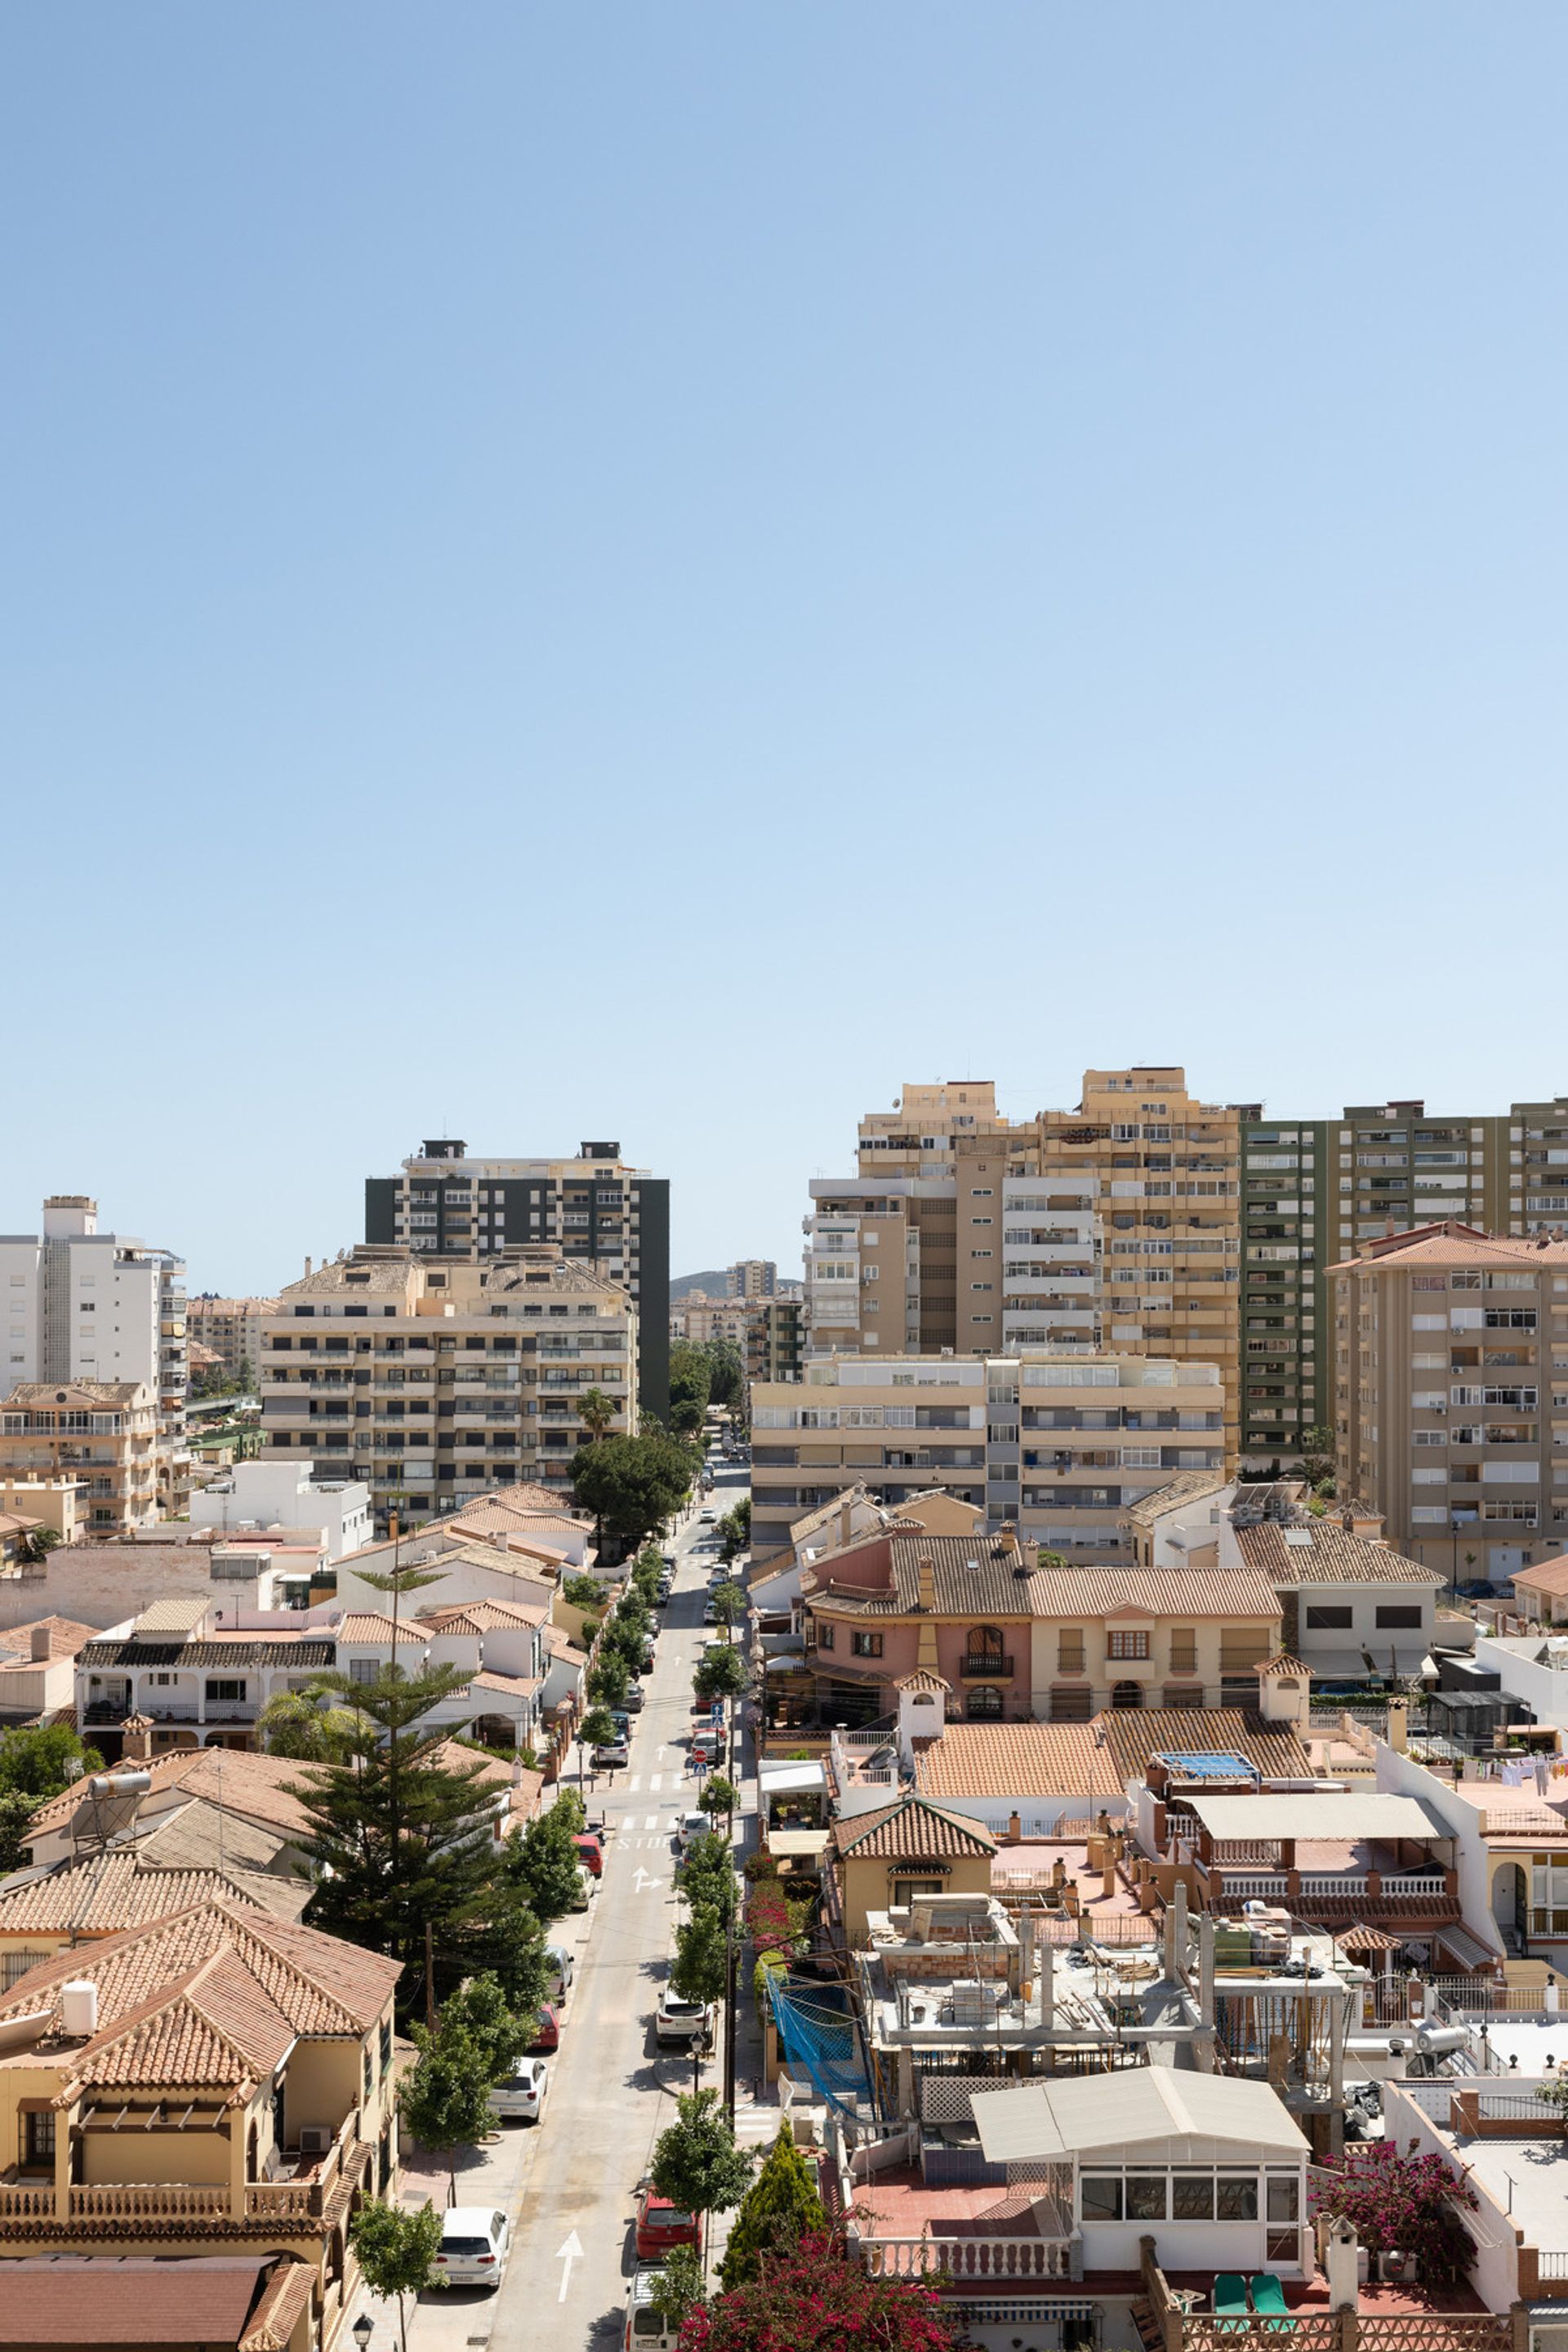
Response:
column 729, row 1602
column 304, row 1728
column 700, row 1971
column 726, row 1373
column 675, row 2289
column 609, row 1679
column 720, row 1796
column 583, row 1591
column 707, row 1878
column 690, row 1377
column 718, row 1673
column 779, row 2209
column 544, row 1864
column 396, row 2248
column 35, row 1545
column 509, row 1942
column 480, row 2009
column 686, row 1418
column 41, row 1760
column 393, row 1825
column 632, row 1484
column 596, row 1411
column 597, row 1727
column 823, row 2299
column 445, row 2099
column 1318, row 1454
column 696, row 2163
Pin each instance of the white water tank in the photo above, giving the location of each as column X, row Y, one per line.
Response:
column 78, row 2009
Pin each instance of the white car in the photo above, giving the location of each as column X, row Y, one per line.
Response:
column 561, row 1969
column 707, row 1518
column 645, row 2330
column 520, row 2096
column 690, row 1825
column 681, row 2021
column 473, row 2247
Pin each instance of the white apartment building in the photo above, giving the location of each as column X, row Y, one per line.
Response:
column 81, row 1305
column 1062, row 1446
column 751, row 1278
column 285, row 1493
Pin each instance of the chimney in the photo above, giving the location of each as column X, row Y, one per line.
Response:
column 846, row 1515
column 307, row 1270
column 41, row 1643
column 927, row 1568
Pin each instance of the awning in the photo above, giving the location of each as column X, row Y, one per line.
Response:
column 793, row 1780
column 787, row 1845
column 1355, row 1813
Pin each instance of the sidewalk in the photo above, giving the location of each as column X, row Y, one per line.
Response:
column 495, row 2173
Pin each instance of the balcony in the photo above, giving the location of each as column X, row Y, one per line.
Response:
column 968, row 2258
column 985, row 1666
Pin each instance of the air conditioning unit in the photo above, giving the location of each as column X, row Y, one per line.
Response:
column 316, row 2140
column 1396, row 2265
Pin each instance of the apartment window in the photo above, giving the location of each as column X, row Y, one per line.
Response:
column 39, row 2136
column 1324, row 1617
column 225, row 1688
column 1127, row 1645
column 826, row 1635
column 866, row 1645
column 980, row 1193
column 1069, row 1652
column 1399, row 1619
column 363, row 1670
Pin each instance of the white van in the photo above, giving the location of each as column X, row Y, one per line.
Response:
column 561, row 1968
column 645, row 2330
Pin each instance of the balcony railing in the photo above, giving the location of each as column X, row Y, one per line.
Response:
column 968, row 2258
column 981, row 1666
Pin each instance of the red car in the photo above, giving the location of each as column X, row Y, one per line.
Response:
column 590, row 1853
column 548, row 2038
column 662, row 2226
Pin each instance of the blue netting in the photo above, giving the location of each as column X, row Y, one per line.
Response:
column 1208, row 1765
column 819, row 2036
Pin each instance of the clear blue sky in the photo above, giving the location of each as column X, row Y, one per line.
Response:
column 656, row 570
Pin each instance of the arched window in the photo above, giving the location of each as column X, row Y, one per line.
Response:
column 984, row 1642
column 1128, row 1695
column 985, row 1702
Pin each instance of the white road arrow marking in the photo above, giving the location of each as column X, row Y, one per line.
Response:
column 644, row 1880
column 571, row 2252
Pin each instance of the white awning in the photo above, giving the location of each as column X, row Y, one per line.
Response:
column 1153, row 2110
column 1351, row 1814
column 796, row 1779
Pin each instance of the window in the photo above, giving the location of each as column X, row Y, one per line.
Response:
column 1144, row 2196
column 1100, row 2195
column 223, row 1688
column 1127, row 1645
column 1191, row 2197
column 1284, row 2198
column 1398, row 1620
column 361, row 1670
column 985, row 1702
column 38, row 2139
column 1324, row 1618
column 826, row 1635
column 1236, row 2196
column 866, row 1645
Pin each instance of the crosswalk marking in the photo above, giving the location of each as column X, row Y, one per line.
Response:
column 654, row 1779
column 633, row 1784
column 651, row 1823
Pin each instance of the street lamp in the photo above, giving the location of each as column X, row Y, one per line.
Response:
column 363, row 2330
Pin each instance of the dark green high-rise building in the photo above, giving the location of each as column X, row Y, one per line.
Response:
column 1313, row 1190
column 596, row 1208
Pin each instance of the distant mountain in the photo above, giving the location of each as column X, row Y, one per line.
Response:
column 712, row 1282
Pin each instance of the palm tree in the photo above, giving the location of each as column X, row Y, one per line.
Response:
column 596, row 1411
column 297, row 1723
column 35, row 1545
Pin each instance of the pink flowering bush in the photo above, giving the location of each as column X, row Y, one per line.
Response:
column 1402, row 2203
column 817, row 2298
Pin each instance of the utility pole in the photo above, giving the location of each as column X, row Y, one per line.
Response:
column 730, row 2023
column 430, row 1976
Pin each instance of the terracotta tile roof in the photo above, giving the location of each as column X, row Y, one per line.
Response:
column 1110, row 1592
column 922, row 1679
column 1019, row 1760
column 1546, row 1575
column 1333, row 1556
column 530, row 1496
column 212, row 1996
column 105, row 1893
column 907, row 1828
column 196, row 1835
column 82, row 2302
column 560, row 1644
column 369, row 1625
column 283, row 2301
column 241, row 1780
column 1189, row 1487
column 66, row 1637
column 1133, row 1735
column 511, row 1565
column 234, row 1650
column 1367, row 1939
column 176, row 1612
column 511, row 1685
column 1283, row 1663
column 1452, row 1245
column 89, row 1392
column 485, row 1616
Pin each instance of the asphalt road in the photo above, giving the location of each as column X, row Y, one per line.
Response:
column 612, row 2092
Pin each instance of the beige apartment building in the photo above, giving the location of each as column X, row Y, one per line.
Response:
column 1451, row 1395
column 101, row 1433
column 698, row 1317
column 1060, row 1446
column 231, row 1328
column 434, row 1380
column 1115, row 1226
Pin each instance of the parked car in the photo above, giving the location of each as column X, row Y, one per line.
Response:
column 690, row 1826
column 710, row 1613
column 707, row 1749
column 622, row 1722
column 584, row 1891
column 645, row 2330
column 612, row 1756
column 707, row 1518
column 547, row 2041
column 661, row 2227
column 561, row 1969
column 473, row 2246
column 590, row 1852
column 519, row 2097
column 636, row 1699
column 664, row 1589
column 681, row 2021
column 1480, row 1587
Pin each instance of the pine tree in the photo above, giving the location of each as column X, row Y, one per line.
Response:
column 779, row 2209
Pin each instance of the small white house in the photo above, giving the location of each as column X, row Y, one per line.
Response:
column 283, row 1493
column 1211, row 2166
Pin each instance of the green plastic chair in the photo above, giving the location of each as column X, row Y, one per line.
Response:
column 1268, row 2299
column 1231, row 2295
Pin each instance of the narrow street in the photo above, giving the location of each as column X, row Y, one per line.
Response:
column 611, row 2094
